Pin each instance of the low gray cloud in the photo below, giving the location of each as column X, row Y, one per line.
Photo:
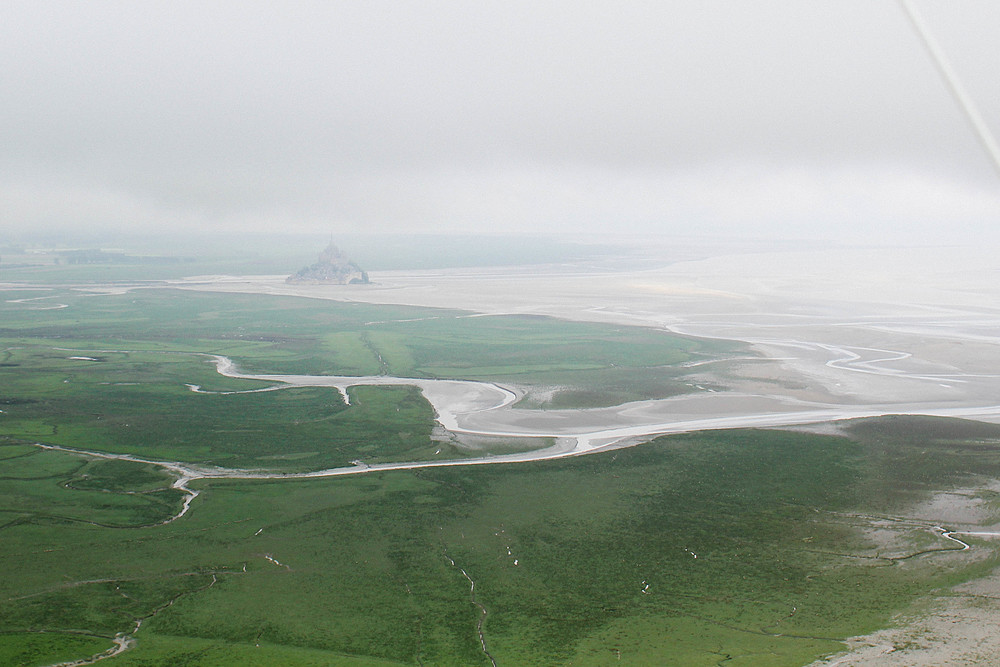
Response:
column 772, row 117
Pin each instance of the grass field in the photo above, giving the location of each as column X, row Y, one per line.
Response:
column 596, row 364
column 732, row 547
column 746, row 544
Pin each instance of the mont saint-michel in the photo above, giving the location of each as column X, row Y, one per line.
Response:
column 333, row 268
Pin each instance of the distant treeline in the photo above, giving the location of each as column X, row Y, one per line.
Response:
column 103, row 257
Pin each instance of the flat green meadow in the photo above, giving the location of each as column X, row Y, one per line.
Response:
column 740, row 547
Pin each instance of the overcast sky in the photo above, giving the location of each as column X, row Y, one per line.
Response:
column 796, row 118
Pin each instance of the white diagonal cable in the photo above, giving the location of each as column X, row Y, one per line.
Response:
column 963, row 98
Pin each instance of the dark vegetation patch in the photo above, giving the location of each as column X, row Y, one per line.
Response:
column 27, row 649
column 13, row 400
column 120, row 476
column 919, row 429
column 910, row 455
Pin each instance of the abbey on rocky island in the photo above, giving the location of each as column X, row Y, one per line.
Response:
column 333, row 268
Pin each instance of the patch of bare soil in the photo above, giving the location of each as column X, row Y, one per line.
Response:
column 959, row 628
column 956, row 627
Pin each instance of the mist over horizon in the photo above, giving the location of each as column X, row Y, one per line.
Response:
column 818, row 122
